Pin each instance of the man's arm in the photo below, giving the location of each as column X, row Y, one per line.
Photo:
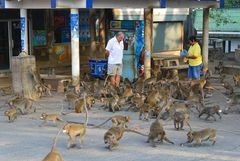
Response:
column 191, row 57
column 107, row 53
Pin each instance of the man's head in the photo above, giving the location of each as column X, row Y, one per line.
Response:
column 120, row 36
column 192, row 40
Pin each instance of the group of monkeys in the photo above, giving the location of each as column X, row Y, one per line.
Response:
column 153, row 98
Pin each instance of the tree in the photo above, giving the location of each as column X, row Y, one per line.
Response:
column 232, row 3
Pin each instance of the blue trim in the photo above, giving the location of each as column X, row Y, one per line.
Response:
column 163, row 3
column 53, row 3
column 89, row 3
column 3, row 4
column 221, row 3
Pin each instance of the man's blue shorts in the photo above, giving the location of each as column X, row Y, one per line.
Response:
column 194, row 72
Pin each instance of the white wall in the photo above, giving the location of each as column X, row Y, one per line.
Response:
column 234, row 45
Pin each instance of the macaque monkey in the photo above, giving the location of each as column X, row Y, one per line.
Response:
column 199, row 85
column 11, row 114
column 210, row 111
column 179, row 119
column 54, row 154
column 71, row 98
column 144, row 109
column 154, row 112
column 90, row 101
column 139, row 85
column 113, row 104
column 228, row 87
column 234, row 99
column 79, row 106
column 128, row 92
column 150, row 82
column 219, row 68
column 236, row 79
column 50, row 117
column 157, row 132
column 76, row 129
column 24, row 105
column 137, row 100
column 117, row 120
column 199, row 136
column 114, row 134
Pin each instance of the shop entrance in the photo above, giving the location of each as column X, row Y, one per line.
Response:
column 10, row 42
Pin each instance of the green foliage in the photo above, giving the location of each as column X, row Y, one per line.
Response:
column 220, row 16
column 232, row 3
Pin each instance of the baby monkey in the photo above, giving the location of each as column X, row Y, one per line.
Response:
column 50, row 117
column 117, row 120
column 11, row 114
column 179, row 119
column 210, row 111
column 199, row 136
column 114, row 134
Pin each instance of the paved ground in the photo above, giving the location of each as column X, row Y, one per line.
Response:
column 24, row 140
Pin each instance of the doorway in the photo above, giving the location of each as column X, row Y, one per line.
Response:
column 10, row 42
column 4, row 46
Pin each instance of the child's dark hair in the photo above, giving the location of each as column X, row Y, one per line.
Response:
column 192, row 38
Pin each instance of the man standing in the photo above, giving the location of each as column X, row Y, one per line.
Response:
column 114, row 51
column 194, row 59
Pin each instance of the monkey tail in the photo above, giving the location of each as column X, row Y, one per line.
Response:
column 103, row 123
column 55, row 139
column 106, row 80
column 134, row 131
column 86, row 110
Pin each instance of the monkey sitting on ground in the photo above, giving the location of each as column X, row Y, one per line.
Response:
column 199, row 136
column 236, row 79
column 90, row 101
column 156, row 132
column 76, row 129
column 210, row 111
column 54, row 154
column 71, row 98
column 50, row 117
column 128, row 92
column 114, row 134
column 117, row 120
column 11, row 114
column 179, row 119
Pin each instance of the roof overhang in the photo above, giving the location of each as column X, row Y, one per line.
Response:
column 39, row 4
column 222, row 34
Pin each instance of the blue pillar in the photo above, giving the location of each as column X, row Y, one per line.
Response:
column 89, row 3
column 24, row 30
column 3, row 4
column 75, row 47
column 221, row 3
column 163, row 3
column 53, row 3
